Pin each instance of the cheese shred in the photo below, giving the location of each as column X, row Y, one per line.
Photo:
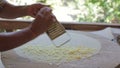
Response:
column 57, row 54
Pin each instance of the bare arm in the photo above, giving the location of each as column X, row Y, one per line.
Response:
column 15, row 39
column 11, row 11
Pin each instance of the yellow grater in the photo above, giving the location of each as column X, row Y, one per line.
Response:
column 56, row 31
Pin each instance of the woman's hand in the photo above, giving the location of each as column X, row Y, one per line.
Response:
column 44, row 19
column 34, row 8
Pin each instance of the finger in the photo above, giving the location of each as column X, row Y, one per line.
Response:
column 51, row 18
column 46, row 10
column 45, row 13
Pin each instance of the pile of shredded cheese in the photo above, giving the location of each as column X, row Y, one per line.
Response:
column 57, row 54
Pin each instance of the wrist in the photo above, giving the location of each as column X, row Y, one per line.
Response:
column 31, row 32
column 34, row 31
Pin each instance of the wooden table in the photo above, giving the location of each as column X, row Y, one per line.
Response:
column 108, row 57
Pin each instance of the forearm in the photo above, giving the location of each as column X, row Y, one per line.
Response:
column 14, row 39
column 11, row 11
column 39, row 26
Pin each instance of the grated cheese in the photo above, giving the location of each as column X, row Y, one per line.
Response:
column 57, row 54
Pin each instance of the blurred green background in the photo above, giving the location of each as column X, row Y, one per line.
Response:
column 103, row 11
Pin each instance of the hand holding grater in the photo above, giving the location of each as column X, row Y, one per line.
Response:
column 56, row 31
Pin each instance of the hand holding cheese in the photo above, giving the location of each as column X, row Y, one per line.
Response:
column 43, row 20
column 40, row 25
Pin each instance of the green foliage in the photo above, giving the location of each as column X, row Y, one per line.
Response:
column 89, row 10
column 42, row 1
column 97, row 10
column 110, row 8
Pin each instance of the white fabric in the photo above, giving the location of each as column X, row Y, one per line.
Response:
column 109, row 33
column 108, row 57
column 115, row 30
column 1, row 64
